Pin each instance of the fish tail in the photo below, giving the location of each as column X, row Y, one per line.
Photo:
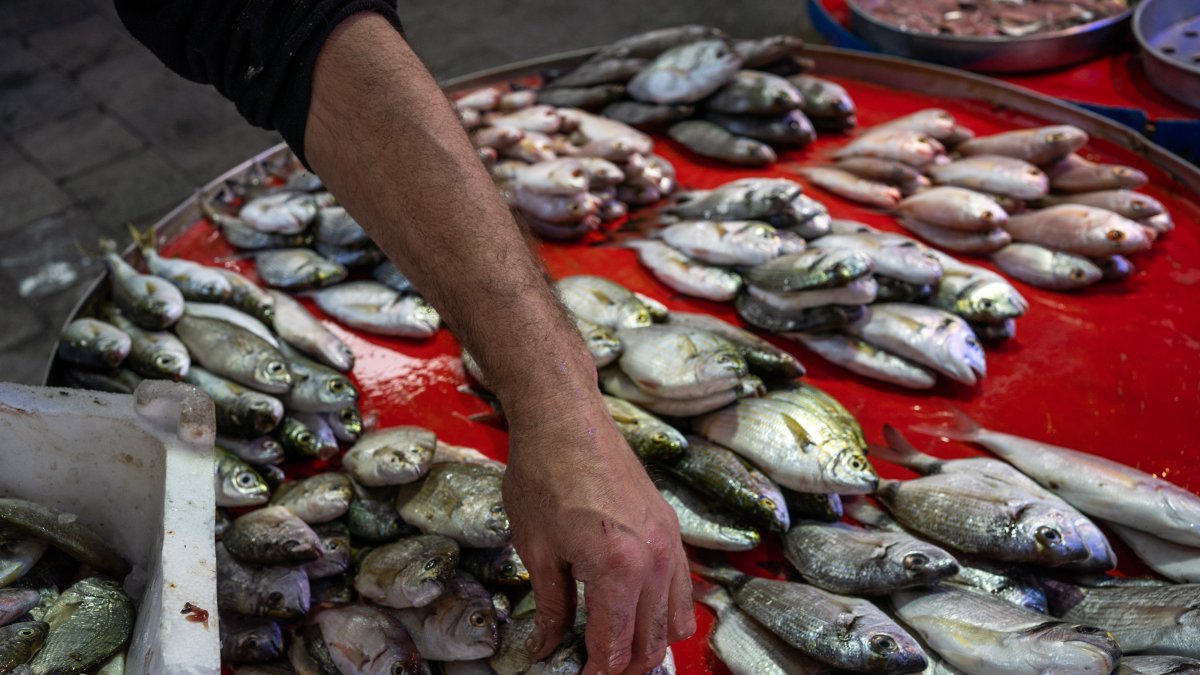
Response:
column 865, row 512
column 954, row 424
column 708, row 593
column 713, row 569
column 145, row 241
column 899, row 451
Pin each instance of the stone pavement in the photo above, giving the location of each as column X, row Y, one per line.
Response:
column 96, row 134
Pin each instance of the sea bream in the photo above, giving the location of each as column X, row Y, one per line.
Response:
column 925, row 335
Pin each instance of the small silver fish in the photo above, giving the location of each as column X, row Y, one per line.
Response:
column 680, row 363
column 703, row 526
column 957, row 240
column 761, row 356
column 295, row 269
column 925, row 335
column 259, row 450
column 684, row 274
column 954, row 208
column 365, row 639
column 1078, row 229
column 862, row 358
column 734, row 242
column 151, row 302
column 236, row 353
column 845, row 559
column 811, row 269
column 603, row 302
column 234, row 316
column 933, row 122
column 976, row 293
column 93, row 344
column 460, row 500
column 858, row 292
column 1045, row 268
column 390, row 456
column 994, row 173
column 239, row 410
column 1074, row 173
column 823, row 98
column 461, row 624
column 687, row 73
column 742, row 199
column 196, row 282
column 315, row 388
column 902, row 145
column 281, row 212
column 300, row 329
column 791, row 128
column 748, row 648
column 1037, row 146
column 711, row 140
column 753, row 92
column 411, row 572
column 1143, row 619
column 372, row 307
column 1125, row 203
column 236, row 483
column 850, row 186
column 897, row 258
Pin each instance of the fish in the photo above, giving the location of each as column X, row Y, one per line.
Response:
column 152, row 354
column 282, row 212
column 543, row 119
column 742, row 199
column 242, row 236
column 824, row 318
column 1040, row 146
column 1123, row 202
column 680, row 363
column 235, row 353
column 802, row 439
column 307, row 435
column 738, row 486
column 686, row 74
column 823, row 98
column 858, row 292
column 15, row 602
column 654, row 42
column 19, row 553
column 649, row 437
column 495, row 566
column 1161, row 223
column 896, row 257
column 588, row 98
column 1082, row 230
column 616, row 383
column 271, row 536
column 744, row 242
column 368, row 640
column 803, row 216
column 565, row 176
column 678, row 271
column 925, row 335
column 933, row 122
column 458, row 500
column 295, row 269
column 753, row 92
column 840, row 631
column 1074, row 173
column 980, row 634
column 890, row 289
column 237, row 483
column 206, row 310
column 18, row 643
column 410, row 572
column 389, row 275
column 790, row 128
column 888, row 171
column 701, row 524
column 316, row 499
column 197, row 283
column 239, row 410
column 374, row 308
column 767, row 50
column 372, row 515
column 512, row 655
column 333, row 225
column 610, row 70
column 150, row 301
column 118, row 381
column 1046, row 268
column 601, row 341
column 956, row 240
column 902, row 145
column 748, row 648
column 249, row 298
column 760, row 356
column 1157, row 665
column 276, row 591
column 1006, row 176
column 390, row 456
column 300, row 329
column 64, row 531
column 1114, row 267
column 247, row 639
column 976, row 293
column 602, row 137
column 459, row 625
column 810, row 269
column 1176, row 562
column 954, row 208
column 487, row 98
column 859, row 356
column 369, row 255
column 852, row 187
column 316, row 388
column 93, row 344
column 1154, row 619
column 1098, row 487
column 711, row 140
column 89, row 622
column 647, row 115
column 1015, row 584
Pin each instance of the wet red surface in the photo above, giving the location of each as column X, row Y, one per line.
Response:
column 1114, row 370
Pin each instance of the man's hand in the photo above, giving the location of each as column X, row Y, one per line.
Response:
column 582, row 508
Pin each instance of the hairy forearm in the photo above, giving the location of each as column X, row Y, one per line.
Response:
column 386, row 141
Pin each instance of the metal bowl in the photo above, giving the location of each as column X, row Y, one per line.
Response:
column 1039, row 51
column 1168, row 32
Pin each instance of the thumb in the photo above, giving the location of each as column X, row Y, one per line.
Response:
column 554, row 595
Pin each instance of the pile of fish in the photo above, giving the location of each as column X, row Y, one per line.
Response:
column 1046, row 215
column 731, row 100
column 991, row 18
column 565, row 170
column 63, row 610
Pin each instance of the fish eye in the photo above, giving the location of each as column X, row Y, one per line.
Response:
column 399, row 668
column 275, row 598
column 306, row 438
column 767, row 503
column 244, row 479
column 1048, row 535
column 432, row 563
column 26, row 632
column 1056, row 137
column 1078, row 274
column 922, row 139
column 291, row 545
column 164, row 360
column 250, row 643
column 498, row 509
column 508, row 569
column 856, row 464
column 1114, row 235
column 986, row 303
column 347, row 415
column 1033, row 171
column 1121, row 171
column 478, row 619
column 972, row 342
column 335, row 386
column 275, row 368
column 1089, row 630
column 660, row 438
column 914, row 560
column 883, row 644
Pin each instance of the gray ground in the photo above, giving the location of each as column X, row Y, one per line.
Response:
column 96, row 134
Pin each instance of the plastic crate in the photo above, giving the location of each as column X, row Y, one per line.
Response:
column 138, row 470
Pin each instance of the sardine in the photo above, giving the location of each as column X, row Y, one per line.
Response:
column 236, row 483
column 316, row 499
column 736, row 242
column 1045, row 268
column 248, row 297
column 811, row 269
column 271, row 536
column 686, row 74
column 372, row 307
column 390, row 456
column 703, row 526
column 1074, row 173
column 927, row 336
column 954, row 208
column 859, row 356
column 651, row 438
column 459, row 625
column 761, row 356
column 852, row 187
column 151, row 302
column 18, row 643
column 791, row 128
column 247, row 639
column 993, row 173
column 1037, row 146
column 89, row 622
column 1155, row 620
column 459, row 500
column 680, row 363
column 365, row 639
column 281, row 212
column 711, row 140
column 902, row 145
column 742, row 199
column 64, row 531
column 956, row 240
column 93, row 344
column 1176, row 562
column 684, row 274
column 300, row 329
column 411, row 572
column 1083, row 230
column 233, row 352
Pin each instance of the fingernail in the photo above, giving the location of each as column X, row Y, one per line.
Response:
column 533, row 644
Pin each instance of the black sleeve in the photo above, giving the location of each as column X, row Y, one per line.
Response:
column 260, row 54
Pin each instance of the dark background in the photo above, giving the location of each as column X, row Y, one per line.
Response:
column 95, row 133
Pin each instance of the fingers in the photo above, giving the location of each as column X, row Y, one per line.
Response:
column 554, row 594
column 612, row 603
column 650, row 633
column 681, row 612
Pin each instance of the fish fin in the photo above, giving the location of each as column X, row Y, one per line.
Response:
column 713, row 568
column 712, row 595
column 955, row 424
column 145, row 241
column 865, row 512
column 603, row 297
column 899, row 451
column 798, row 431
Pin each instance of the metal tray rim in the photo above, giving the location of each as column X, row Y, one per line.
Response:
column 1149, row 49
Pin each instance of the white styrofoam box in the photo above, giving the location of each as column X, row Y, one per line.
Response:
column 138, row 470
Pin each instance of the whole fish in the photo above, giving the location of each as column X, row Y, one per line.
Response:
column 248, row 297
column 64, row 531
column 18, row 643
column 979, row 634
column 957, row 240
column 684, row 274
column 389, row 275
column 372, row 515
column 1083, row 230
column 411, row 572
column 459, row 625
column 608, row 70
column 601, row 341
column 543, row 119
column 307, row 435
column 1046, row 268
column 1158, row 665
column 333, row 225
column 151, row 302
column 1176, row 562
column 368, row 640
column 89, row 622
column 898, row 258
column 247, row 639
column 753, row 92
column 823, row 98
column 687, row 73
column 206, row 310
column 372, row 307
column 197, row 283
column 276, row 592
column 616, row 383
column 282, row 212
column 891, row 289
column 589, row 97
column 852, row 187
column 1125, row 203
column 924, row 335
column 802, row 439
column 858, row 292
column 271, row 536
column 711, row 140
column 152, row 354
column 239, row 410
column 994, row 173
column 495, row 566
column 19, row 553
column 608, row 138
column 735, row 484
column 390, row 456
column 901, row 145
column 933, row 122
column 1074, row 173
column 1015, row 584
column 300, row 329
column 652, row 43
column 459, row 500
column 761, row 356
column 316, row 388
column 825, row 318
column 565, row 176
column 976, row 293
column 1161, row 223
column 93, row 344
column 15, row 602
column 859, row 356
column 811, row 269
column 1099, row 487
column 841, row 631
column 316, row 499
column 791, row 128
column 764, row 51
column 703, row 526
column 295, row 269
column 742, row 199
column 647, row 115
column 821, row 507
column 237, row 483
column 233, row 352
column 748, row 648
column 888, row 171
column 678, row 362
column 803, row 216
column 242, row 236
column 736, row 242
column 1156, row 619
column 119, row 381
column 850, row 560
column 954, row 208
column 1037, row 146
column 651, row 438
